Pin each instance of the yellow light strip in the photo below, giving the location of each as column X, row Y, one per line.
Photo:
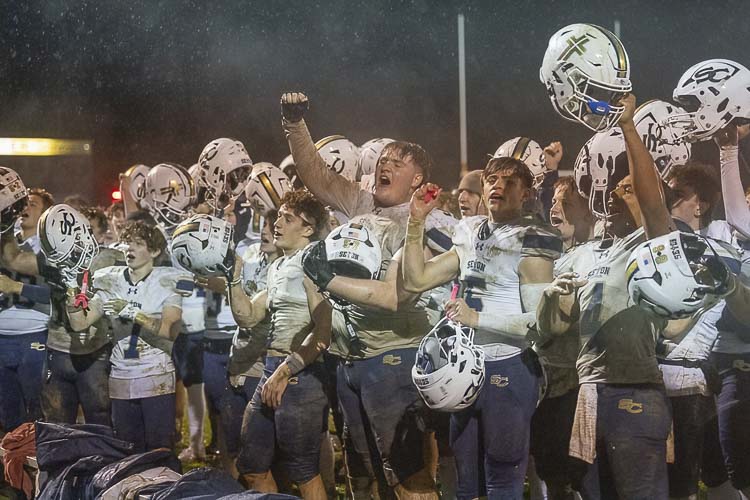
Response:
column 26, row 146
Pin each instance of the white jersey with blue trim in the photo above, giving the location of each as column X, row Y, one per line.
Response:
column 19, row 315
column 133, row 358
column 287, row 303
column 733, row 337
column 489, row 255
column 438, row 225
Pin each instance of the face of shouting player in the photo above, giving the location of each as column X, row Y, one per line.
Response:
column 396, row 178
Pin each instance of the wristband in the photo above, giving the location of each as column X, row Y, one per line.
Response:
column 295, row 363
column 234, row 282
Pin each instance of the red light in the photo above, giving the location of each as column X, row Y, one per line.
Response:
column 116, row 195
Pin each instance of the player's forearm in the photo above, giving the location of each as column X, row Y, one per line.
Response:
column 414, row 259
column 735, row 206
column 514, row 325
column 15, row 259
column 329, row 187
column 243, row 309
column 646, row 184
column 365, row 293
column 316, row 342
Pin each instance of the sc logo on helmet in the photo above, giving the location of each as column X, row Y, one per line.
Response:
column 713, row 75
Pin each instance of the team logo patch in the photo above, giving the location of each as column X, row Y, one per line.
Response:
column 37, row 346
column 630, row 406
column 499, row 380
column 391, row 360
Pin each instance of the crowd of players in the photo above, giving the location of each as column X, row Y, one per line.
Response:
column 587, row 333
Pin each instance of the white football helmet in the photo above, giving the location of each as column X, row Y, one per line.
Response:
column 267, row 186
column 600, row 165
column 203, row 245
column 169, row 193
column 66, row 239
column 14, row 198
column 586, row 71
column 353, row 251
column 661, row 138
column 290, row 169
column 449, row 368
column 340, row 154
column 529, row 152
column 225, row 167
column 136, row 187
column 677, row 275
column 368, row 156
column 713, row 93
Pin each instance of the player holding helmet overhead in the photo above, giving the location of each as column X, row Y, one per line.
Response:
column 713, row 93
column 288, row 414
column 224, row 168
column 587, row 72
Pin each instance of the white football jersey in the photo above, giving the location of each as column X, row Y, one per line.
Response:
column 438, row 226
column 287, row 302
column 132, row 357
column 19, row 315
column 489, row 256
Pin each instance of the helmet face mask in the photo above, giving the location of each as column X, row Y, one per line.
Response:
column 66, row 239
column 170, row 192
column 448, row 369
column 14, row 198
column 600, row 165
column 660, row 136
column 713, row 94
column 202, row 245
column 586, row 71
column 224, row 168
column 674, row 275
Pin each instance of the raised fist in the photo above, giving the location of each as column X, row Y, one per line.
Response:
column 294, row 105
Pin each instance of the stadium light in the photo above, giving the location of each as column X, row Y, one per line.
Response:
column 28, row 146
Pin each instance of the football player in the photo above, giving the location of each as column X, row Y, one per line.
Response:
column 288, row 414
column 144, row 308
column 494, row 257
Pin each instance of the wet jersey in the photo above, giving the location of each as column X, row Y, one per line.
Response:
column 379, row 331
column 287, row 304
column 20, row 315
column 489, row 255
column 248, row 346
column 619, row 337
column 61, row 336
column 132, row 357
column 559, row 355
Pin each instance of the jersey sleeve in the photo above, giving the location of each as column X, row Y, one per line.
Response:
column 439, row 228
column 330, row 188
column 104, row 282
column 540, row 241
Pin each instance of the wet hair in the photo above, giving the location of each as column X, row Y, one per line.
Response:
column 304, row 204
column 417, row 153
column 700, row 178
column 150, row 235
column 98, row 215
column 47, row 199
column 517, row 168
column 568, row 182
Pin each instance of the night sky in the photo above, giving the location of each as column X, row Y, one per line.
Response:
column 154, row 81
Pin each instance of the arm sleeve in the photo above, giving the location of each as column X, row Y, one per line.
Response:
column 541, row 242
column 735, row 206
column 330, row 188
